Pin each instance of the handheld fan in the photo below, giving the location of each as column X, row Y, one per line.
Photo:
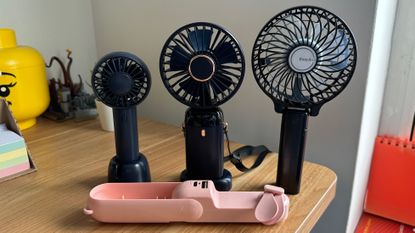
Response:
column 302, row 58
column 202, row 66
column 121, row 80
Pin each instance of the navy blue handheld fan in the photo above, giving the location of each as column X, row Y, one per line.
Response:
column 302, row 58
column 202, row 66
column 122, row 80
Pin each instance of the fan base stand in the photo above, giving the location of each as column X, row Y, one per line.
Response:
column 221, row 184
column 135, row 171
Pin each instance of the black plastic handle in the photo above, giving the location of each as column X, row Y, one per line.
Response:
column 204, row 137
column 128, row 165
column 291, row 150
column 204, row 144
column 126, row 136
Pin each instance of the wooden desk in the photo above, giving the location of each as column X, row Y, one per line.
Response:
column 73, row 157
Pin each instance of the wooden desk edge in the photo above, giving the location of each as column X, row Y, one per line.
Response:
column 318, row 210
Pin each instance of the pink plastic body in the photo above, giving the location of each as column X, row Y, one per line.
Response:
column 189, row 201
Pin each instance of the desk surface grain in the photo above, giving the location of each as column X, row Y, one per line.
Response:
column 73, row 157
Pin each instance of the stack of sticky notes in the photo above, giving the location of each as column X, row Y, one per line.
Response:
column 13, row 153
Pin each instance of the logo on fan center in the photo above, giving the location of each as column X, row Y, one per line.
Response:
column 302, row 59
column 306, row 59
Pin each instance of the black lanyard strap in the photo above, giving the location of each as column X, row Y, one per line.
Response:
column 236, row 156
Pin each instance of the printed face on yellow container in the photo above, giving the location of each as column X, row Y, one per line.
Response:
column 23, row 81
column 5, row 88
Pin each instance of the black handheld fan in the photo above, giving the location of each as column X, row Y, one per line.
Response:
column 202, row 66
column 302, row 58
column 121, row 80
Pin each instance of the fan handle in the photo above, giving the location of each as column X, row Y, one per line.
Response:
column 128, row 165
column 204, row 138
column 291, row 149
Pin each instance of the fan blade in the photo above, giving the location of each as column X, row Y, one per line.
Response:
column 108, row 69
column 179, row 59
column 342, row 53
column 200, row 39
column 317, row 32
column 297, row 93
column 204, row 94
column 225, row 53
column 187, row 85
column 220, row 83
column 198, row 91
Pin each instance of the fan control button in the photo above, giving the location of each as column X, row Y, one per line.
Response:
column 201, row 68
column 302, row 59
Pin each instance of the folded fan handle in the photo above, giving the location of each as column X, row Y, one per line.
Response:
column 291, row 149
column 273, row 206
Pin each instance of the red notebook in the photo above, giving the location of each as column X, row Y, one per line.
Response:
column 391, row 187
column 372, row 224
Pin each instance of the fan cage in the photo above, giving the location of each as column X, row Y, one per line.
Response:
column 220, row 46
column 313, row 27
column 114, row 64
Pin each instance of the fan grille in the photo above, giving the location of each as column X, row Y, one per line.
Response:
column 121, row 80
column 202, row 65
column 304, row 56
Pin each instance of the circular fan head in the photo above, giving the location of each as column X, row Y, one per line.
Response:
column 202, row 65
column 121, row 80
column 304, row 57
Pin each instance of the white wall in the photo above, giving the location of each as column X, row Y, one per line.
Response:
column 142, row 27
column 378, row 69
column 52, row 26
column 399, row 100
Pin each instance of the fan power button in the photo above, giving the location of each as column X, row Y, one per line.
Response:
column 302, row 59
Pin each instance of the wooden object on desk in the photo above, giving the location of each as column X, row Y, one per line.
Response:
column 73, row 157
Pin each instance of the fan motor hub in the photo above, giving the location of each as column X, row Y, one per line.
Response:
column 302, row 59
column 121, row 83
column 201, row 68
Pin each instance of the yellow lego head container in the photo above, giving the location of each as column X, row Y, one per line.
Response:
column 23, row 81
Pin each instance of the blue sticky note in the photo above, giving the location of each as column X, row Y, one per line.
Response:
column 9, row 140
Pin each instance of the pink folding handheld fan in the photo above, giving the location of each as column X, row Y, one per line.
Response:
column 189, row 201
